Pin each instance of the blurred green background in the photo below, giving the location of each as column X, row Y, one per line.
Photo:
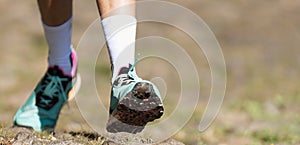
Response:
column 260, row 42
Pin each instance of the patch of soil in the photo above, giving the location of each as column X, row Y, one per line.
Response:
column 24, row 136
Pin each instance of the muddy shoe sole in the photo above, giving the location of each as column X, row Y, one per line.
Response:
column 135, row 110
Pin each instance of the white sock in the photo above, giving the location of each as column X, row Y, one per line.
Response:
column 59, row 43
column 120, row 33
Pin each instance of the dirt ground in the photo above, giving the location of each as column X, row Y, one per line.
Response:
column 260, row 43
column 22, row 136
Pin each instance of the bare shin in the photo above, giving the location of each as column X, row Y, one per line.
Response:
column 55, row 12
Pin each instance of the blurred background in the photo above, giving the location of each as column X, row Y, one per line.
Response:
column 260, row 42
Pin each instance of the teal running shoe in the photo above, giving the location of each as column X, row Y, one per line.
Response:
column 41, row 110
column 134, row 102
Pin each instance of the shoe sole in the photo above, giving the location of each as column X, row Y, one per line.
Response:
column 135, row 110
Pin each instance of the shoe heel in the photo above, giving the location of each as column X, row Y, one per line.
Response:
column 74, row 91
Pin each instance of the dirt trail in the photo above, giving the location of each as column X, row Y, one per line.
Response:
column 23, row 136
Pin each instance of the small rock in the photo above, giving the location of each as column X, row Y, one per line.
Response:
column 23, row 138
column 4, row 140
column 170, row 142
column 53, row 138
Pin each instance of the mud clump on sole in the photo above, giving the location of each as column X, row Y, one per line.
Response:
column 137, row 108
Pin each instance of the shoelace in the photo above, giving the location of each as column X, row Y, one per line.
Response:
column 52, row 86
column 125, row 79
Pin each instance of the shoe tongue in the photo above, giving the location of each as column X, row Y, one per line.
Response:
column 55, row 70
column 124, row 70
